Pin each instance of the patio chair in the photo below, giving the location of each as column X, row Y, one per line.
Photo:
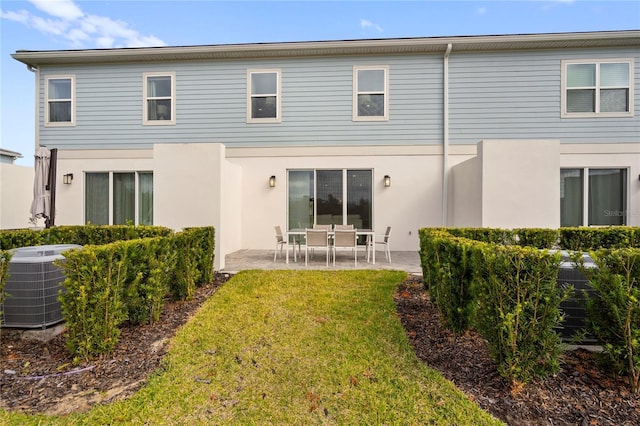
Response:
column 280, row 243
column 319, row 226
column 342, row 227
column 316, row 238
column 345, row 239
column 385, row 242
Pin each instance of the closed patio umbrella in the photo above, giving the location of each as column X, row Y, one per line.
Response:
column 41, row 205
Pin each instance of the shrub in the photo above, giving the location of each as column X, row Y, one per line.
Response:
column 150, row 263
column 204, row 239
column 538, row 238
column 485, row 235
column 92, row 304
column 103, row 234
column 80, row 234
column 5, row 257
column 429, row 255
column 452, row 289
column 518, row 309
column 194, row 265
column 10, row 239
column 613, row 311
column 585, row 239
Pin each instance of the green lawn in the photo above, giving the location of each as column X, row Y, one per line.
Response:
column 291, row 348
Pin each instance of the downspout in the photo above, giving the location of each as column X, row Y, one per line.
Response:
column 445, row 136
column 36, row 70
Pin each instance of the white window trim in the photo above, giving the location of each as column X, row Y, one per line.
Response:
column 48, row 123
column 355, row 116
column 145, row 114
column 597, row 62
column 278, row 117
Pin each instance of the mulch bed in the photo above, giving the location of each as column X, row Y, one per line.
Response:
column 40, row 377
column 580, row 394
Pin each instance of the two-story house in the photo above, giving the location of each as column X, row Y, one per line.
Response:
column 537, row 130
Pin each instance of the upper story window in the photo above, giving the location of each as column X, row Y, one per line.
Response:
column 263, row 96
column 371, row 93
column 60, row 100
column 597, row 88
column 159, row 98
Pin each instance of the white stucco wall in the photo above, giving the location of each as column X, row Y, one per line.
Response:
column 412, row 201
column 520, row 183
column 465, row 194
column 16, row 195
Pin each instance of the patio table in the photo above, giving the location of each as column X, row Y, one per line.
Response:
column 368, row 233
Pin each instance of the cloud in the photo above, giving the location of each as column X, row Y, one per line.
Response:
column 21, row 16
column 64, row 9
column 366, row 24
column 481, row 10
column 63, row 19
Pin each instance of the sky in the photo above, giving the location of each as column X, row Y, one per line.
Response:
column 89, row 24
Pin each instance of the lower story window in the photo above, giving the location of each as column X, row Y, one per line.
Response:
column 114, row 198
column 336, row 197
column 605, row 193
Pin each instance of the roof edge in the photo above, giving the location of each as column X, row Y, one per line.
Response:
column 334, row 47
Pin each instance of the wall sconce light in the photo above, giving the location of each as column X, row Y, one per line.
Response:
column 272, row 182
column 66, row 179
column 387, row 181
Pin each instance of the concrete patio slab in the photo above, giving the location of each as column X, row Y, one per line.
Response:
column 240, row 260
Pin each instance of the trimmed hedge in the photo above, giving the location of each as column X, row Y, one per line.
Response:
column 511, row 296
column 448, row 272
column 19, row 238
column 508, row 293
column 195, row 260
column 129, row 281
column 82, row 235
column 5, row 257
column 613, row 311
column 518, row 309
column 585, row 239
column 93, row 304
column 537, row 237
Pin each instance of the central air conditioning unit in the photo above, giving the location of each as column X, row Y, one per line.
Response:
column 33, row 285
column 573, row 308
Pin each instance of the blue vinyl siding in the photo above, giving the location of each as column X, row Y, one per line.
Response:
column 493, row 95
column 517, row 95
column 211, row 105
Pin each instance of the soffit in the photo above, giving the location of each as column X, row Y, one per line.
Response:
column 333, row 48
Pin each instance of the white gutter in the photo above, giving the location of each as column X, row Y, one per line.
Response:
column 445, row 138
column 36, row 70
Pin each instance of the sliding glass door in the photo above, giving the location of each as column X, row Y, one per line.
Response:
column 301, row 194
column 329, row 196
column 318, row 197
column 605, row 192
column 359, row 201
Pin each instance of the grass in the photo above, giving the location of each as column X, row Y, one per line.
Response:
column 291, row 348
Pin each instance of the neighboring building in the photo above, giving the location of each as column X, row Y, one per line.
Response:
column 9, row 157
column 16, row 191
column 538, row 130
